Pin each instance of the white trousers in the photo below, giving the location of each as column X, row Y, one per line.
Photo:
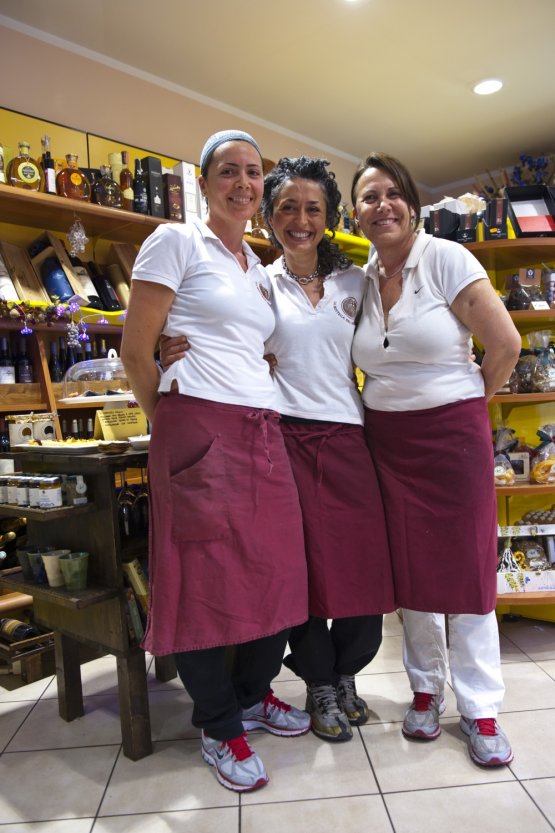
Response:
column 474, row 658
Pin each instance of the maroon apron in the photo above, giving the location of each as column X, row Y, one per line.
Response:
column 349, row 570
column 435, row 468
column 226, row 562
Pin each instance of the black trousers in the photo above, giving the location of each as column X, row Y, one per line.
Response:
column 223, row 681
column 320, row 654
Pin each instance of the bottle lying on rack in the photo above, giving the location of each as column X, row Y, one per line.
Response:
column 15, row 631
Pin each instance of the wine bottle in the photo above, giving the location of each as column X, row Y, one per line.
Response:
column 106, row 191
column 15, row 631
column 75, row 429
column 90, row 429
column 126, row 182
column 55, row 280
column 88, row 351
column 106, row 291
column 64, row 429
column 47, row 164
column 4, row 436
column 7, row 289
column 23, row 366
column 54, row 365
column 7, row 367
column 140, row 189
column 103, row 350
column 94, row 348
column 71, row 356
column 89, row 289
column 2, row 166
column 63, row 354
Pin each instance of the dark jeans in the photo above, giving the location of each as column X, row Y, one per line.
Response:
column 320, row 654
column 225, row 680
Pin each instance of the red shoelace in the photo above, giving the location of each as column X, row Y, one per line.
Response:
column 239, row 746
column 270, row 700
column 486, row 726
column 421, row 701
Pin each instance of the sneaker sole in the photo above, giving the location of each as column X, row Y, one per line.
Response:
column 358, row 721
column 231, row 785
column 342, row 738
column 421, row 735
column 249, row 725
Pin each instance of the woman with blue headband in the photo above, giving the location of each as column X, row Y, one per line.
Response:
column 226, row 562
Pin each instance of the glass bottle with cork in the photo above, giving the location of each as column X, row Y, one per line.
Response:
column 72, row 182
column 106, row 191
column 47, row 164
column 23, row 366
column 7, row 366
column 126, row 182
column 25, row 172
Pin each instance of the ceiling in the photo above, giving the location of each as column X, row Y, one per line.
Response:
column 393, row 75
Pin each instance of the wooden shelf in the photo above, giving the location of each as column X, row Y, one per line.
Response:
column 8, row 510
column 527, row 598
column 526, row 489
column 75, row 599
column 532, row 316
column 513, row 254
column 522, row 398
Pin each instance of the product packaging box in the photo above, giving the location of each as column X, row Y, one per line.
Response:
column 173, row 197
column 191, row 192
column 442, row 223
column 466, row 232
column 495, row 219
column 532, row 210
column 152, row 166
column 525, row 581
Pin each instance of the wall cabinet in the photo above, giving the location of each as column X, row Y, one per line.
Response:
column 525, row 412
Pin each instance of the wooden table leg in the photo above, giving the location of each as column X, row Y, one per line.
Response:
column 68, row 676
column 164, row 668
column 133, row 704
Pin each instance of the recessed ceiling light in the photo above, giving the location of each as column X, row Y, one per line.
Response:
column 488, row 86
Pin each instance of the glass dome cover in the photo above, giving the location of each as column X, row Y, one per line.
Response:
column 96, row 380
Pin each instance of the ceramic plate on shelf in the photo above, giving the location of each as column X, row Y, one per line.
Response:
column 140, row 441
column 93, row 401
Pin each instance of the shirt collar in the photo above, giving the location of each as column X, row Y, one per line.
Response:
column 421, row 243
column 206, row 232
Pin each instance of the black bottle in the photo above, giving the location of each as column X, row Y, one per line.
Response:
column 4, row 436
column 71, row 356
column 7, row 367
column 106, row 292
column 88, row 286
column 140, row 189
column 23, row 366
column 63, row 354
column 14, row 631
column 54, row 365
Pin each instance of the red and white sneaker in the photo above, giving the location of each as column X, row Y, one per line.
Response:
column 422, row 718
column 238, row 767
column 276, row 717
column 488, row 743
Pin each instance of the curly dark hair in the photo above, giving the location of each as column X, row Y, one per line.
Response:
column 330, row 256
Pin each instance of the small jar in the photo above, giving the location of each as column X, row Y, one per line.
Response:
column 50, row 493
column 13, row 483
column 23, row 491
column 34, row 492
column 4, row 488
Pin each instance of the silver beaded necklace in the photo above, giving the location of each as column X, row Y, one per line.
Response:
column 302, row 279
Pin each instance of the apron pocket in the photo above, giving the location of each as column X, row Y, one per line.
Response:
column 199, row 505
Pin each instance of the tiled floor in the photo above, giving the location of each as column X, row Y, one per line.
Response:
column 58, row 777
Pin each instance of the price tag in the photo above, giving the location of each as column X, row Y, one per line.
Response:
column 539, row 305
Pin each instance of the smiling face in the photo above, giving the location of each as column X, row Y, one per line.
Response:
column 383, row 214
column 233, row 184
column 299, row 217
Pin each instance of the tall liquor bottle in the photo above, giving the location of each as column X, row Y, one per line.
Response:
column 23, row 366
column 140, row 189
column 7, row 367
column 106, row 191
column 115, row 162
column 47, row 164
column 71, row 182
column 89, row 288
column 25, row 172
column 126, row 182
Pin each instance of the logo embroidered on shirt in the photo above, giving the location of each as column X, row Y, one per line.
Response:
column 264, row 292
column 349, row 307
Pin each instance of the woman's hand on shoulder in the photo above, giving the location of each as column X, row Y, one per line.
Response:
column 172, row 348
column 272, row 363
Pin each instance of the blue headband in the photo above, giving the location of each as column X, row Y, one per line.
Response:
column 220, row 138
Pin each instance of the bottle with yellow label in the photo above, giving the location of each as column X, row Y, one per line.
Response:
column 25, row 172
column 71, row 182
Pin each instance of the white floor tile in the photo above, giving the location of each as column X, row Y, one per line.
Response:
column 335, row 815
column 491, row 808
column 12, row 690
column 54, row 784
column 536, row 639
column 225, row 820
column 543, row 793
column 532, row 736
column 389, row 657
column 527, row 687
column 12, row 716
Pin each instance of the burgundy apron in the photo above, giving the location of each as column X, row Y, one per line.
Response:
column 226, row 562
column 349, row 570
column 435, row 468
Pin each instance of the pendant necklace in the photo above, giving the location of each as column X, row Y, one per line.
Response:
column 302, row 279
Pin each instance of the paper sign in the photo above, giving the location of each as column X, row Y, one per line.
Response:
column 119, row 424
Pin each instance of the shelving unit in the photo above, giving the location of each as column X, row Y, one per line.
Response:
column 501, row 258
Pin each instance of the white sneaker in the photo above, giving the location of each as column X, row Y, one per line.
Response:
column 488, row 743
column 276, row 717
column 238, row 767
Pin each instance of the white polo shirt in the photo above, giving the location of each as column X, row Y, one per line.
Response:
column 314, row 374
column 422, row 360
column 225, row 313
